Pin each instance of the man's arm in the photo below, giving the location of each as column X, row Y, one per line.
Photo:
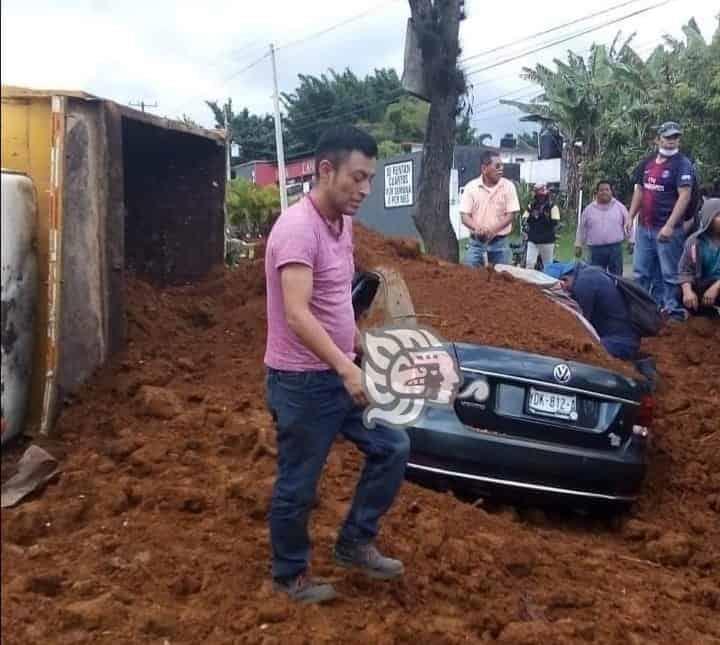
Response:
column 627, row 222
column 297, row 282
column 680, row 207
column 636, row 202
column 467, row 221
column 580, row 234
column 507, row 218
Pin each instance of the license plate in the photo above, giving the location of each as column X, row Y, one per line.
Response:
column 562, row 406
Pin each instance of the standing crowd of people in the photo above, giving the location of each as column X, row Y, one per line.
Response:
column 676, row 249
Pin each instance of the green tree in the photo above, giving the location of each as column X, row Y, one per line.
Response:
column 465, row 134
column 680, row 82
column 252, row 209
column 403, row 121
column 335, row 98
column 575, row 97
column 614, row 101
column 255, row 134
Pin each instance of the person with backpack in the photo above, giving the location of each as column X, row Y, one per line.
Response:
column 603, row 304
column 663, row 192
column 540, row 220
column 700, row 263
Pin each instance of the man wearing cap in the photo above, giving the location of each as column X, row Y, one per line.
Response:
column 602, row 304
column 663, row 184
column 488, row 206
column 541, row 219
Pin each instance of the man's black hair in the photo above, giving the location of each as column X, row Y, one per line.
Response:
column 487, row 157
column 605, row 181
column 337, row 143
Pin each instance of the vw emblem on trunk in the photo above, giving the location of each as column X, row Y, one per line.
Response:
column 562, row 373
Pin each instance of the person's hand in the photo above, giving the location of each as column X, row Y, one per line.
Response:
column 690, row 300
column 666, row 232
column 352, row 380
column 578, row 251
column 711, row 295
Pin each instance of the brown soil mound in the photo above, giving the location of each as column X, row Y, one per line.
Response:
column 156, row 530
column 479, row 306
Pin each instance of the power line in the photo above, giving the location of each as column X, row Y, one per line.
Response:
column 296, row 124
column 548, row 31
column 327, row 30
column 638, row 49
column 646, row 47
column 229, row 78
column 363, row 105
column 298, row 42
column 567, row 38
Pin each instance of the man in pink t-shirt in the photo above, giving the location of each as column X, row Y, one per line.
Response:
column 314, row 387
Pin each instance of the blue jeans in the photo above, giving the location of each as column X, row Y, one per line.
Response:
column 655, row 259
column 608, row 257
column 498, row 252
column 310, row 409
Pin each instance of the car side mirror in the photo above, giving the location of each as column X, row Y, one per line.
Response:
column 364, row 287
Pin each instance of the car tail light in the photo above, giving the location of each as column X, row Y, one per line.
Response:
column 646, row 411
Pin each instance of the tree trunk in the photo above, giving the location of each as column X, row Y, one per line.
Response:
column 437, row 25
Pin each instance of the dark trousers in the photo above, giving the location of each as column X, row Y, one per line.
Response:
column 310, row 409
column 608, row 257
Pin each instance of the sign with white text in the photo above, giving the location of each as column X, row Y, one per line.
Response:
column 399, row 184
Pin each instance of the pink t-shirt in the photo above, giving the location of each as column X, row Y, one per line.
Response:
column 301, row 235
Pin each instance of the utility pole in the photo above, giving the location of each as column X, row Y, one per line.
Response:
column 228, row 142
column 278, row 137
column 142, row 105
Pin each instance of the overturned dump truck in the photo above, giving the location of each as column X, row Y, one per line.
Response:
column 118, row 191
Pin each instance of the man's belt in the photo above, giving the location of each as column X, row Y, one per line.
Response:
column 475, row 236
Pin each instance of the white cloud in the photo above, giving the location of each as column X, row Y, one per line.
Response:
column 181, row 53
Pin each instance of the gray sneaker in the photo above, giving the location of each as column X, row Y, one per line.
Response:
column 306, row 590
column 369, row 560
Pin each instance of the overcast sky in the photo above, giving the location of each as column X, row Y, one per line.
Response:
column 179, row 53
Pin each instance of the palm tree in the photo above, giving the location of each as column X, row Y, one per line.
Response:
column 574, row 99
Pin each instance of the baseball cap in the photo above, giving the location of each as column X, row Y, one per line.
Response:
column 540, row 188
column 559, row 269
column 669, row 129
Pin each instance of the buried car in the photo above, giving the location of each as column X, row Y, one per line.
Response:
column 528, row 423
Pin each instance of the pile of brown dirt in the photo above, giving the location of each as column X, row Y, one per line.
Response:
column 156, row 530
column 483, row 306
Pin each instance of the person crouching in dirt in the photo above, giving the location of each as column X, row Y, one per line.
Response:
column 602, row 304
column 700, row 263
column 314, row 389
column 488, row 207
column 542, row 218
